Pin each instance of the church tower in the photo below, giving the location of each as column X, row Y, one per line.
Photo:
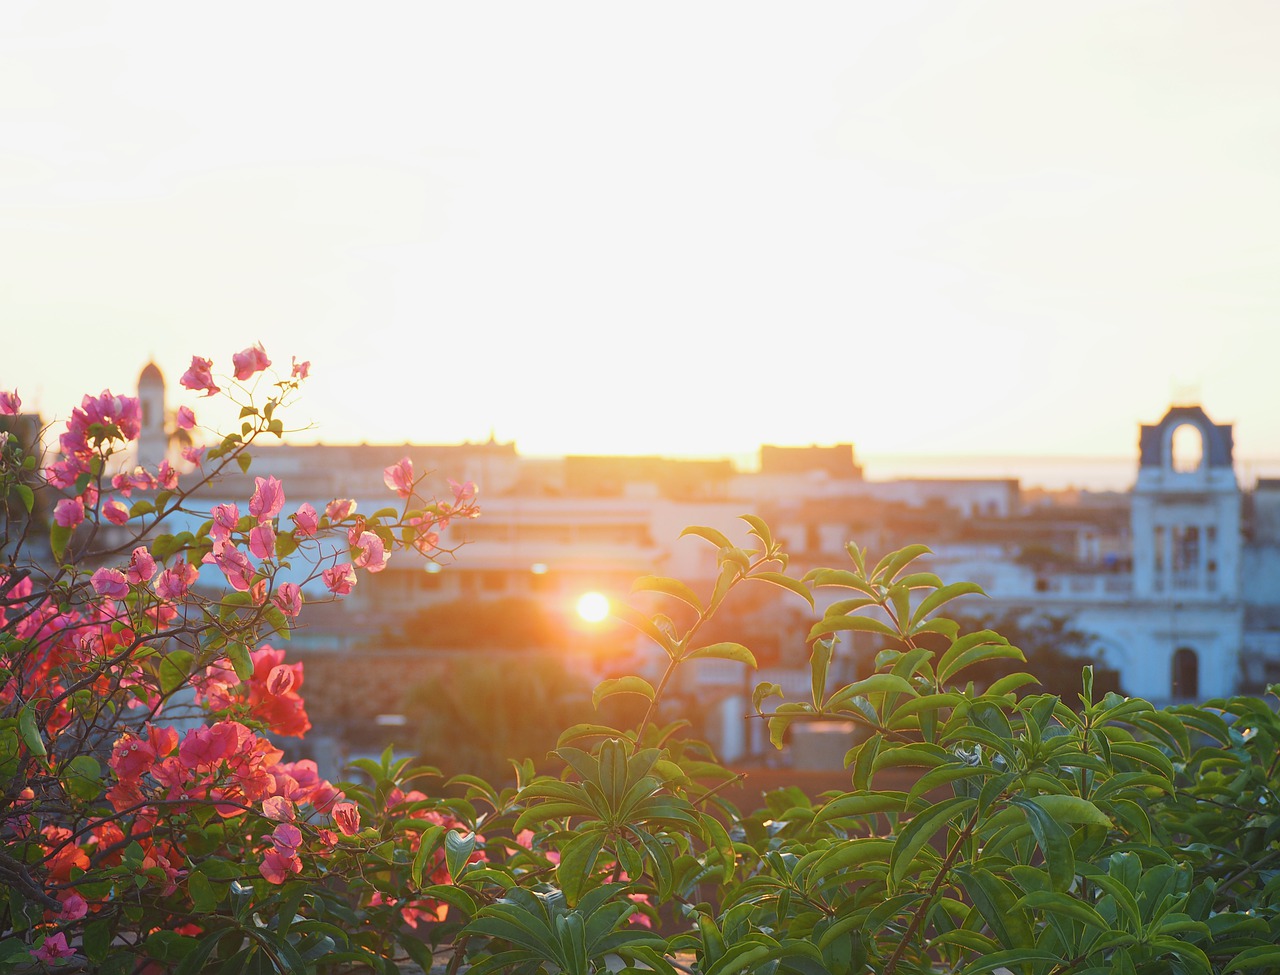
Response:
column 153, row 440
column 1185, row 521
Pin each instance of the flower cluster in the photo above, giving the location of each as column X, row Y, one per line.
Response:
column 137, row 704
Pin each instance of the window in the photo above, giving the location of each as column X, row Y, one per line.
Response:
column 1186, row 448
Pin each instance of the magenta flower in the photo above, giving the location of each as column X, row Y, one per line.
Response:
column 251, row 360
column 341, row 579
column 10, row 404
column 174, row 582
column 262, row 541
column 278, row 808
column 289, row 598
column 54, row 949
column 68, row 512
column 115, row 512
column 200, row 376
column 307, row 520
column 186, row 419
column 141, row 566
column 280, row 680
column 268, row 498
column 340, row 509
column 347, row 817
column 301, row 370
column 225, row 518
column 463, row 493
column 373, row 554
column 235, row 565
column 110, row 583
column 399, row 477
column 276, row 867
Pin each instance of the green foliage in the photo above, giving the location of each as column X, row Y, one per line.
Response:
column 1035, row 837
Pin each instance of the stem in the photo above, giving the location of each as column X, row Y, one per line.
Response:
column 919, row 913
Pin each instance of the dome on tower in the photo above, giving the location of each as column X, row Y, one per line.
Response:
column 151, row 374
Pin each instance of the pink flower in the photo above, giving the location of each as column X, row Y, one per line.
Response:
column 251, row 360
column 235, row 565
column 167, row 476
column 340, row 509
column 63, row 474
column 276, row 866
column 205, row 747
column 347, row 817
column 463, row 493
column 268, row 498
column 174, row 582
column 68, row 512
column 286, row 838
column 141, row 566
column 54, row 948
column 399, row 477
column 110, row 583
column 278, row 808
column 199, row 376
column 10, row 404
column 186, row 419
column 301, row 370
column 373, row 555
column 115, row 512
column 307, row 520
column 280, row 680
column 262, row 541
column 194, row 455
column 341, row 579
column 74, row 907
column 225, row 518
column 289, row 598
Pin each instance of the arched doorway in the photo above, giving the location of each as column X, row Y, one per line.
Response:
column 1186, row 674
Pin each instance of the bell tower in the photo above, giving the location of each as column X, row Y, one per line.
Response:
column 153, row 440
column 1185, row 520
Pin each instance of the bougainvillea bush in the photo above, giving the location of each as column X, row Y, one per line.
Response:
column 150, row 823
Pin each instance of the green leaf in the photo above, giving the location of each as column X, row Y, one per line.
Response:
column 244, row 460
column 27, row 495
column 427, row 843
column 174, row 670
column 642, row 623
column 29, row 728
column 621, row 685
column 203, row 897
column 716, row 538
column 786, row 582
column 1053, row 841
column 1066, row 905
column 1010, row 959
column 725, row 651
column 864, row 624
column 577, row 860
column 59, row 537
column 238, row 654
column 760, row 530
column 668, row 587
column 972, row 648
column 875, row 684
column 457, row 851
column 1266, row 956
column 944, row 595
column 1072, row 809
column 762, row 693
column 83, row 777
column 921, row 830
column 895, row 562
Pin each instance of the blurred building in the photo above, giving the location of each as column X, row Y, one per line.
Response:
column 1177, row 581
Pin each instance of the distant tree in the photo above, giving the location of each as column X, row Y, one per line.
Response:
column 1056, row 651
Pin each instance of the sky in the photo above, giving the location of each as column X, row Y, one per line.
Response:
column 960, row 228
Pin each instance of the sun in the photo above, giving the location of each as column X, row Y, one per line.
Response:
column 593, row 607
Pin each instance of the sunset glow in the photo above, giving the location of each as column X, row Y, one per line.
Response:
column 593, row 607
